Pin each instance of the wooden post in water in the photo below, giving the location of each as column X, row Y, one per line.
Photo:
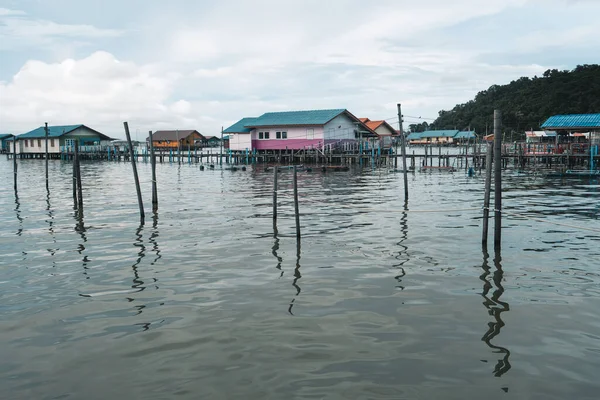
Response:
column 153, row 165
column 296, row 210
column 497, row 179
column 221, row 148
column 135, row 174
column 488, row 188
column 401, row 132
column 46, row 131
column 274, row 193
column 78, row 178
column 74, row 179
column 15, row 160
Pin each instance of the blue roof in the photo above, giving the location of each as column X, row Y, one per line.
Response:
column 440, row 133
column 53, row 131
column 57, row 131
column 414, row 136
column 240, row 126
column 573, row 121
column 310, row 117
column 465, row 135
column 5, row 136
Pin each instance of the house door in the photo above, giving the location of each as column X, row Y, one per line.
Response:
column 70, row 143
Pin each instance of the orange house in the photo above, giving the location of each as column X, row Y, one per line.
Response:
column 176, row 139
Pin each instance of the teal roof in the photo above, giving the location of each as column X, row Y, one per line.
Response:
column 5, row 136
column 57, row 131
column 240, row 126
column 310, row 117
column 573, row 121
column 440, row 133
column 53, row 131
column 465, row 135
column 414, row 136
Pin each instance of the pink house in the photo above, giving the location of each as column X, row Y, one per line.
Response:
column 296, row 130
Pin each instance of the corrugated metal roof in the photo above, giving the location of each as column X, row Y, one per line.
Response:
column 414, row 136
column 309, row 117
column 53, row 131
column 240, row 126
column 440, row 133
column 573, row 121
column 465, row 135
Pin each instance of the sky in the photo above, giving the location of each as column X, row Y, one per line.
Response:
column 199, row 64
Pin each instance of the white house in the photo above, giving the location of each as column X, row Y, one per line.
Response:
column 34, row 142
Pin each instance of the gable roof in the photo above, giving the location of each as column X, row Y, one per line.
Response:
column 373, row 125
column 57, row 131
column 440, row 133
column 6, row 136
column 573, row 121
column 414, row 135
column 308, row 117
column 173, row 135
column 465, row 135
column 240, row 126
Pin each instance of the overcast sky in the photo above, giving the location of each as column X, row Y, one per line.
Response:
column 197, row 64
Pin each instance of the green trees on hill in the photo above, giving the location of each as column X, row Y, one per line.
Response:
column 526, row 103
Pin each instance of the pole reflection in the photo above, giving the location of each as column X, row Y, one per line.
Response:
column 275, row 248
column 495, row 308
column 50, row 221
column 402, row 255
column 18, row 212
column 81, row 230
column 297, row 277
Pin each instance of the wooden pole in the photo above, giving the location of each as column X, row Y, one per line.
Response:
column 497, row 179
column 46, row 131
column 221, row 148
column 296, row 211
column 15, row 159
column 488, row 186
column 78, row 178
column 405, row 172
column 74, row 179
column 275, row 193
column 153, row 165
column 135, row 174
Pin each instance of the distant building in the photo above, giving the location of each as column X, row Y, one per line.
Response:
column 296, row 130
column 34, row 142
column 211, row 141
column 382, row 129
column 4, row 142
column 176, row 139
column 575, row 127
column 440, row 137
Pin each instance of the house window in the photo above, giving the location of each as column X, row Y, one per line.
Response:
column 310, row 133
column 51, row 142
column 31, row 143
column 281, row 135
column 26, row 143
column 39, row 142
column 263, row 135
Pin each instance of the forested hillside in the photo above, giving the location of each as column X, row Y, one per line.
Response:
column 526, row 103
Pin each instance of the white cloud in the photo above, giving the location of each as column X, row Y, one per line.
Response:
column 98, row 90
column 18, row 30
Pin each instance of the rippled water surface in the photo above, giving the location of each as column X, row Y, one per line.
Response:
column 208, row 301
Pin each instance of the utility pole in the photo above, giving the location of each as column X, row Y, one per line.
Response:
column 221, row 148
column 403, row 152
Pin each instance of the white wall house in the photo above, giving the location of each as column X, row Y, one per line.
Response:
column 34, row 142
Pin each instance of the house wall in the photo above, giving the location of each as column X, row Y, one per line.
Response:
column 298, row 137
column 340, row 129
column 240, row 141
column 385, row 135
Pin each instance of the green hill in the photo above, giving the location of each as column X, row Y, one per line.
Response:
column 526, row 103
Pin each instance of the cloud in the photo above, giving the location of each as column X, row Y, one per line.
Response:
column 98, row 90
column 18, row 30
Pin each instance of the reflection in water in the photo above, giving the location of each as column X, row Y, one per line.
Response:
column 18, row 211
column 297, row 277
column 402, row 255
column 495, row 308
column 275, row 248
column 50, row 224
column 81, row 230
column 139, row 242
column 152, row 239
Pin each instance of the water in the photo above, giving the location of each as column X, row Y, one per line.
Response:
column 205, row 302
